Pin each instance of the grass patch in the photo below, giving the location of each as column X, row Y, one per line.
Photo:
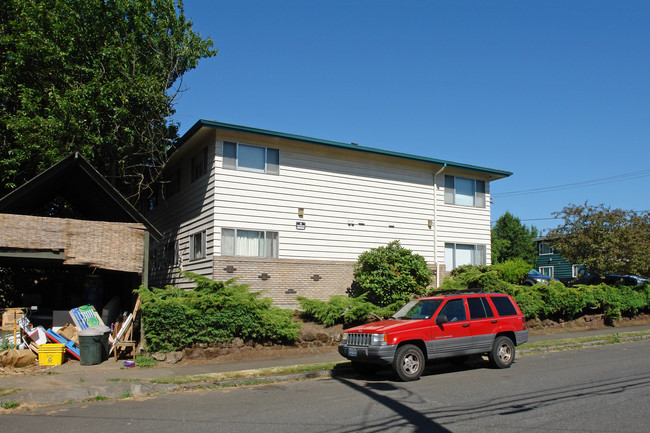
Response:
column 245, row 374
column 7, row 391
column 145, row 361
column 117, row 379
column 97, row 398
column 126, row 395
column 9, row 404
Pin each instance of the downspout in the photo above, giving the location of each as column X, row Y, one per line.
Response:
column 435, row 222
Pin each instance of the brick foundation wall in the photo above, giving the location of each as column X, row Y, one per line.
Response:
column 284, row 279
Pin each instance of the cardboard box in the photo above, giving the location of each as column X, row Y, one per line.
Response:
column 10, row 317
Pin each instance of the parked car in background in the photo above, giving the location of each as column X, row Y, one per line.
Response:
column 533, row 277
column 587, row 278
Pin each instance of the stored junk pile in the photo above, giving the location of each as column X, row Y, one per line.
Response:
column 85, row 338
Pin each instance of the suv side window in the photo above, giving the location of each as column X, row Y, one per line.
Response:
column 454, row 309
column 479, row 308
column 503, row 305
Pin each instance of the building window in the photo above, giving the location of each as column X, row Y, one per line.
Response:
column 252, row 243
column 458, row 255
column 199, row 164
column 545, row 249
column 173, row 184
column 197, row 246
column 237, row 156
column 577, row 271
column 464, row 192
column 547, row 270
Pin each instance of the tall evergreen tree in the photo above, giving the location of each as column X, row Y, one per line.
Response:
column 95, row 76
column 511, row 240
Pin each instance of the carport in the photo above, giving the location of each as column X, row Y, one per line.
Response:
column 68, row 238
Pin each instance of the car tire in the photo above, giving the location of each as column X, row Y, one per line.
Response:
column 408, row 363
column 502, row 354
column 529, row 283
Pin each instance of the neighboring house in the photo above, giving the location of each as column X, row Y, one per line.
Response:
column 98, row 254
column 551, row 264
column 290, row 214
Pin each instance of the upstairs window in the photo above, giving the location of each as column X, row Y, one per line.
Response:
column 545, row 249
column 173, row 184
column 198, row 246
column 199, row 164
column 251, row 243
column 464, row 192
column 238, row 156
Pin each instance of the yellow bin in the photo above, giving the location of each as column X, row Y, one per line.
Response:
column 51, row 354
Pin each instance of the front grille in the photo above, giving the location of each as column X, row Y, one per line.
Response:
column 359, row 339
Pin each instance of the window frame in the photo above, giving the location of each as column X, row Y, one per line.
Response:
column 271, row 251
column 545, row 251
column 479, row 191
column 552, row 271
column 199, row 165
column 202, row 237
column 231, row 157
column 479, row 254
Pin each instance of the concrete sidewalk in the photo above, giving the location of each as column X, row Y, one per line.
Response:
column 74, row 382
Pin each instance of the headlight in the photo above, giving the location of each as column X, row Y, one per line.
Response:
column 379, row 339
column 344, row 339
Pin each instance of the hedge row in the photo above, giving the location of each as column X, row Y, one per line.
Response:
column 215, row 311
column 342, row 310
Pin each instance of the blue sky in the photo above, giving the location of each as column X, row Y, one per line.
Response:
column 556, row 92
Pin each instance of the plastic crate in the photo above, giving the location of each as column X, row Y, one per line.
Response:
column 51, row 354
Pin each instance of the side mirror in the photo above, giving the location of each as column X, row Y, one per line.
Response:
column 441, row 319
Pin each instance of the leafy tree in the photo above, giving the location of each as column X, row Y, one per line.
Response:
column 605, row 240
column 390, row 274
column 513, row 240
column 95, row 76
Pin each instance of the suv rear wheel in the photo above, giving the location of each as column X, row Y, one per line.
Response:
column 408, row 362
column 502, row 354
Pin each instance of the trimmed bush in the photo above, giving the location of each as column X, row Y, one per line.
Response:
column 390, row 274
column 215, row 311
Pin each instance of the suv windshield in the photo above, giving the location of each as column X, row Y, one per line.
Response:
column 418, row 309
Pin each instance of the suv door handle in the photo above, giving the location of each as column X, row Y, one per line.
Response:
column 466, row 325
column 493, row 321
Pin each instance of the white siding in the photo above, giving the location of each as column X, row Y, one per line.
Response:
column 187, row 212
column 339, row 191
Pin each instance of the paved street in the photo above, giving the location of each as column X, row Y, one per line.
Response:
column 599, row 389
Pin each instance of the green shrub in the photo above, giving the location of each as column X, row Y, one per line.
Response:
column 342, row 310
column 390, row 274
column 512, row 271
column 215, row 311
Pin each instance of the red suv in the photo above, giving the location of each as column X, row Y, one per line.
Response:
column 439, row 327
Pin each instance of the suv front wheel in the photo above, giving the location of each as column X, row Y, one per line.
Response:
column 408, row 362
column 502, row 354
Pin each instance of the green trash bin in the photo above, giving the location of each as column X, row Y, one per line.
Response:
column 90, row 346
column 104, row 332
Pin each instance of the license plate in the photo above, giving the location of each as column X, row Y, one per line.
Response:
column 352, row 352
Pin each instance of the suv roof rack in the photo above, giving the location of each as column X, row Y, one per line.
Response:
column 456, row 291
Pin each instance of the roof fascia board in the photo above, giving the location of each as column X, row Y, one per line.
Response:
column 339, row 145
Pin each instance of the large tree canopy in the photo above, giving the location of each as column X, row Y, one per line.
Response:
column 95, row 76
column 605, row 240
column 513, row 240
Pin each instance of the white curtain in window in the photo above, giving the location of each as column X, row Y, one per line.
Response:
column 250, row 243
column 464, row 255
column 227, row 242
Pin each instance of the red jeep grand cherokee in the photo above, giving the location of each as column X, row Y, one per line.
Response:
column 438, row 327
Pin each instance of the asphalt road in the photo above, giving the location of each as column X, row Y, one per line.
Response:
column 598, row 389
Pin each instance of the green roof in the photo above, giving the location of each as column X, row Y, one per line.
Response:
column 354, row 147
